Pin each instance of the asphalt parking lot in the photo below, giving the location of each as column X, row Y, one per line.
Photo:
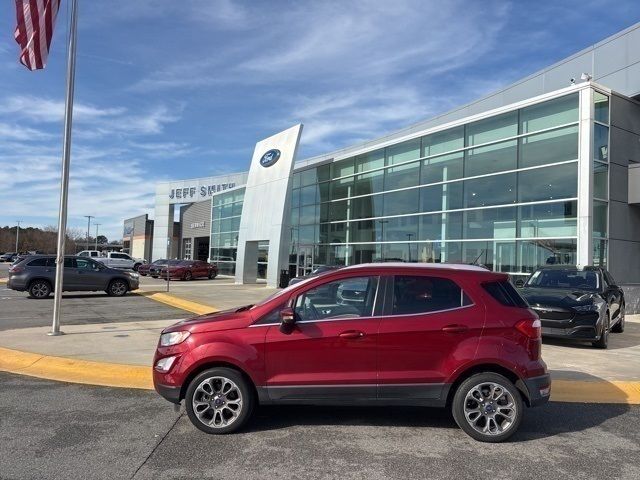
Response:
column 56, row 430
column 79, row 308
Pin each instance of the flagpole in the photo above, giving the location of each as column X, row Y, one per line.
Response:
column 66, row 160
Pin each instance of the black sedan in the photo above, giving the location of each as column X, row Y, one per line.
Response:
column 576, row 303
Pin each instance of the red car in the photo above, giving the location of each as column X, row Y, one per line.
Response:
column 188, row 270
column 454, row 336
column 145, row 268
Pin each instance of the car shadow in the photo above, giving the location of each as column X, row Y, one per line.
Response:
column 629, row 338
column 554, row 418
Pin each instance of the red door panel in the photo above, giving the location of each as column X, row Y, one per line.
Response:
column 323, row 359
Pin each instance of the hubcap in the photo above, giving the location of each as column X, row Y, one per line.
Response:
column 39, row 290
column 118, row 288
column 490, row 408
column 217, row 402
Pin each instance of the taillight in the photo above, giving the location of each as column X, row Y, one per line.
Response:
column 16, row 269
column 530, row 327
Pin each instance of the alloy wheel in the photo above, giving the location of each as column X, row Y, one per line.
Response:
column 490, row 409
column 118, row 288
column 217, row 402
column 40, row 290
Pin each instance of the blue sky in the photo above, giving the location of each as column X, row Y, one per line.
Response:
column 171, row 89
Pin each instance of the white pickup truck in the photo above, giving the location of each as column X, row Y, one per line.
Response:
column 113, row 259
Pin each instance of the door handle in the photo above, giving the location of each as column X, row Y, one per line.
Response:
column 455, row 328
column 352, row 334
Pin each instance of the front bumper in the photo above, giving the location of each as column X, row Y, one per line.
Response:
column 579, row 327
column 168, row 392
column 538, row 389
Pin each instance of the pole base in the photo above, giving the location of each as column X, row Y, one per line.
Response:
column 55, row 334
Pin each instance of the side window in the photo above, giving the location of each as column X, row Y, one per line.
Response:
column 272, row 317
column 94, row 254
column 69, row 262
column 422, row 294
column 83, row 254
column 39, row 262
column 84, row 264
column 345, row 298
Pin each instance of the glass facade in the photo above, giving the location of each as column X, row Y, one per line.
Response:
column 501, row 191
column 226, row 211
column 600, row 178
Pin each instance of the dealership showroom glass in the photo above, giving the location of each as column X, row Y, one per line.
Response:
column 545, row 171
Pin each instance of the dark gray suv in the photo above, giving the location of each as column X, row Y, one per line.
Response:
column 36, row 274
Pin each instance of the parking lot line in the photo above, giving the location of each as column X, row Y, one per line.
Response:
column 177, row 302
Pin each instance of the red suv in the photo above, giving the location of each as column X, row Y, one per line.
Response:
column 374, row 334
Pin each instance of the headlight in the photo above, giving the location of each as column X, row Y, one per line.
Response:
column 165, row 364
column 587, row 308
column 173, row 338
column 133, row 274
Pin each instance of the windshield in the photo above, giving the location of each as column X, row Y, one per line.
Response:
column 565, row 278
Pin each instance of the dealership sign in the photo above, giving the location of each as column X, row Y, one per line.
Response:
column 203, row 191
column 197, row 225
column 270, row 158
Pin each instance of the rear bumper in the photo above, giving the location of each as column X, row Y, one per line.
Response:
column 538, row 389
column 16, row 283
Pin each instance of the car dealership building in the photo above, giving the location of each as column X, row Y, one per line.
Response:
column 545, row 171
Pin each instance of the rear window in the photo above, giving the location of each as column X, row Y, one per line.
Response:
column 505, row 293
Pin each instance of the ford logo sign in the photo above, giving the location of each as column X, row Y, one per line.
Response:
column 270, row 158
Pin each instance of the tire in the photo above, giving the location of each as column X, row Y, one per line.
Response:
column 143, row 274
column 39, row 289
column 212, row 275
column 502, row 421
column 188, row 276
column 603, row 342
column 136, row 267
column 216, row 415
column 619, row 327
column 117, row 288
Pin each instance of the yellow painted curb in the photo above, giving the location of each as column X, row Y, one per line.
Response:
column 595, row 392
column 76, row 370
column 3, row 281
column 173, row 301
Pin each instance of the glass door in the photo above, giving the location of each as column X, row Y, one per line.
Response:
column 305, row 260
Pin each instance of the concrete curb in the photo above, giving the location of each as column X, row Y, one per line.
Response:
column 75, row 370
column 177, row 302
column 140, row 377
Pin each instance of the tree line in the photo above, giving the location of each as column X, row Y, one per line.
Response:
column 45, row 239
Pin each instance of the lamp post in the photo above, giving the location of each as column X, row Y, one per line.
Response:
column 409, row 235
column 88, row 217
column 17, row 234
column 97, row 225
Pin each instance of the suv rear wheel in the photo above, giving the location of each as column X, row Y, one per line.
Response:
column 488, row 407
column 117, row 288
column 39, row 289
column 219, row 401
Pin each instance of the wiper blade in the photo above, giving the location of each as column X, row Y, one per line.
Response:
column 246, row 307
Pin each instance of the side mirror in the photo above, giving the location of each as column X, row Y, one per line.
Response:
column 519, row 283
column 287, row 320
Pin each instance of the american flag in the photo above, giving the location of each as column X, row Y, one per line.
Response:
column 36, row 19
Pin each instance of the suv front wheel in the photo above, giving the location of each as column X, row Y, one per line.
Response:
column 488, row 407
column 117, row 288
column 219, row 401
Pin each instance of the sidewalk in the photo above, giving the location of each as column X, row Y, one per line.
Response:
column 120, row 354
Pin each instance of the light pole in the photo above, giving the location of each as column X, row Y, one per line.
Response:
column 97, row 225
column 88, row 217
column 409, row 235
column 17, row 234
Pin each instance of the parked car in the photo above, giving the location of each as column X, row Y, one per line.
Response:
column 188, row 270
column 145, row 268
column 317, row 271
column 114, row 259
column 36, row 275
column 576, row 303
column 8, row 257
column 424, row 334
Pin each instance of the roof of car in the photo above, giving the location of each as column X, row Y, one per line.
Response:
column 425, row 266
column 569, row 267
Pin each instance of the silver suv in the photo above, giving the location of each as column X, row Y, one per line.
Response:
column 36, row 274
